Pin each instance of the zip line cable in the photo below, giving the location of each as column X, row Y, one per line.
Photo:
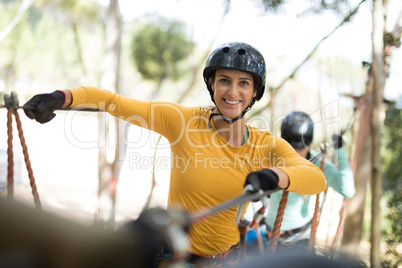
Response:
column 58, row 109
column 325, row 146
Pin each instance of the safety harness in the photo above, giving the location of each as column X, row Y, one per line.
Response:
column 230, row 257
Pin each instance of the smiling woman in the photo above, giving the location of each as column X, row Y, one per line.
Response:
column 214, row 154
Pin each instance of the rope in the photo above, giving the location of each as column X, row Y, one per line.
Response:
column 12, row 106
column 278, row 222
column 314, row 223
column 10, row 167
column 27, row 161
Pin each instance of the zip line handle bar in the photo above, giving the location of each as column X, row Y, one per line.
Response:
column 230, row 203
column 325, row 147
column 60, row 109
column 342, row 132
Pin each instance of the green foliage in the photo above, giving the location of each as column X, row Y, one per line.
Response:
column 392, row 178
column 157, row 49
column 12, row 47
column 337, row 6
column 32, row 49
column 272, row 5
column 41, row 52
column 78, row 10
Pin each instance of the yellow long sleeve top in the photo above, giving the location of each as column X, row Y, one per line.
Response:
column 205, row 169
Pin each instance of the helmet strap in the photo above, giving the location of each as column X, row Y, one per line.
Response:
column 230, row 121
column 209, row 120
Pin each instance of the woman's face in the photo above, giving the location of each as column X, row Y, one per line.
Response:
column 233, row 91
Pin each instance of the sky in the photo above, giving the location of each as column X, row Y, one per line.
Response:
column 283, row 34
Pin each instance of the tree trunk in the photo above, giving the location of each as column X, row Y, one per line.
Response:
column 379, row 78
column 361, row 166
column 78, row 45
column 108, row 172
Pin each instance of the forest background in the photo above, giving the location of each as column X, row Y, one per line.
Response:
column 319, row 56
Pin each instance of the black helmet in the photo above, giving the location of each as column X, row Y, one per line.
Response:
column 297, row 129
column 238, row 56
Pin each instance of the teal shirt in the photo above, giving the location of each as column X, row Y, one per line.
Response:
column 298, row 212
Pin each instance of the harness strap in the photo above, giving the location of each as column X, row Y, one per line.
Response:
column 230, row 256
column 289, row 233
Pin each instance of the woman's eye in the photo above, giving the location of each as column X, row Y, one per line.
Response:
column 224, row 81
column 244, row 83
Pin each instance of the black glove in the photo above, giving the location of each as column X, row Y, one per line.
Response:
column 338, row 141
column 264, row 179
column 41, row 107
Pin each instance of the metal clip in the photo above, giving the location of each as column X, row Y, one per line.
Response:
column 11, row 102
column 324, row 147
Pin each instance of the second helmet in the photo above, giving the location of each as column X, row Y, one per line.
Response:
column 297, row 129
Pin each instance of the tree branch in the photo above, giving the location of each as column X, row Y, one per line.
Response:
column 25, row 5
column 204, row 57
column 276, row 89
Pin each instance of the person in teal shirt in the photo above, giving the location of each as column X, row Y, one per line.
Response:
column 297, row 129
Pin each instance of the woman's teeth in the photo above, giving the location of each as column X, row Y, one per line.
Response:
column 232, row 102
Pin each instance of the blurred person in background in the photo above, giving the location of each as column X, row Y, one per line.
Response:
column 297, row 129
